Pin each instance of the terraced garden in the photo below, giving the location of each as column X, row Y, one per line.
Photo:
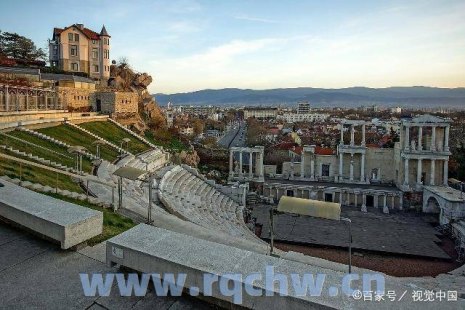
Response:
column 33, row 174
column 114, row 134
column 74, row 136
column 42, row 148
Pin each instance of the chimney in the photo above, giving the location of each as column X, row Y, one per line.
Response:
column 80, row 26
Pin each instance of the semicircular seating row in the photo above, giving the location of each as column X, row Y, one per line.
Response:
column 193, row 199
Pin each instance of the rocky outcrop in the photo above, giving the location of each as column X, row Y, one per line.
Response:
column 123, row 78
column 189, row 158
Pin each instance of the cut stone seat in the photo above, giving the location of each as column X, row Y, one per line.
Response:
column 58, row 220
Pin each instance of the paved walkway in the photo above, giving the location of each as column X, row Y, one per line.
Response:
column 37, row 274
column 400, row 233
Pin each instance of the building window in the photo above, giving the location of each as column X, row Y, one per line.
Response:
column 70, row 37
column 106, row 54
column 95, row 53
column 94, row 42
column 74, row 50
column 74, row 66
column 325, row 170
column 95, row 68
column 76, row 37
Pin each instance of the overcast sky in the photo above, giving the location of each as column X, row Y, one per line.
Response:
column 190, row 45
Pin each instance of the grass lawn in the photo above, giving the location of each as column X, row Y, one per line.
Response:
column 67, row 159
column 113, row 223
column 38, row 175
column 114, row 134
column 174, row 144
column 74, row 136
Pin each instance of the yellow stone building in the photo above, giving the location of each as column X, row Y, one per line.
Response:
column 79, row 49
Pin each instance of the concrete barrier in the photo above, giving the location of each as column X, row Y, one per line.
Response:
column 149, row 249
column 58, row 220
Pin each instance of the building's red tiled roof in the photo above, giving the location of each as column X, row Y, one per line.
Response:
column 92, row 35
column 324, row 150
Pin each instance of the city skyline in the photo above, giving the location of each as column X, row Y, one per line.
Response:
column 190, row 45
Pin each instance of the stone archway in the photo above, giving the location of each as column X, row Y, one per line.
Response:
column 432, row 205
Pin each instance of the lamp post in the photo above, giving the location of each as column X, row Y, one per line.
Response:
column 97, row 144
column 311, row 208
column 79, row 151
column 125, row 141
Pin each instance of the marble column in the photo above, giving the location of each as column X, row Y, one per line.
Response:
column 312, row 168
column 407, row 138
column 375, row 200
column 340, row 197
column 348, row 199
column 385, row 208
column 355, row 199
column 250, row 164
column 432, row 175
column 433, row 138
column 420, row 138
column 302, row 164
column 446, row 138
column 351, row 176
column 364, row 203
column 393, row 202
column 363, row 135
column 362, row 169
column 446, row 173
column 406, row 172
column 342, row 134
column 352, row 135
column 261, row 155
column 341, row 162
column 240, row 163
column 419, row 170
column 231, row 162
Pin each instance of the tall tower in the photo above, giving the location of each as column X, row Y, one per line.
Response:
column 105, row 55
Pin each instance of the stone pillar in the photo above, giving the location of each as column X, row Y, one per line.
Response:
column 340, row 196
column 385, row 208
column 341, row 162
column 250, row 165
column 355, row 199
column 433, row 138
column 362, row 169
column 446, row 173
column 407, row 138
column 333, row 197
column 375, row 200
column 348, row 199
column 432, row 175
column 240, row 163
column 231, row 162
column 342, row 134
column 393, row 202
column 260, row 164
column 419, row 170
column 312, row 168
column 351, row 176
column 363, row 135
column 7, row 99
column 446, row 138
column 420, row 138
column 364, row 203
column 401, row 202
column 302, row 164
column 352, row 135
column 406, row 173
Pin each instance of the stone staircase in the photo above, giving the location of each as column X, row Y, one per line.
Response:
column 134, row 134
column 56, row 141
column 38, row 159
column 119, row 149
column 47, row 189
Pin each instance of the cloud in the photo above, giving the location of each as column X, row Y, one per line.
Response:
column 256, row 19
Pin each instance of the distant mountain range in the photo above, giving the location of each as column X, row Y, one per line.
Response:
column 417, row 96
